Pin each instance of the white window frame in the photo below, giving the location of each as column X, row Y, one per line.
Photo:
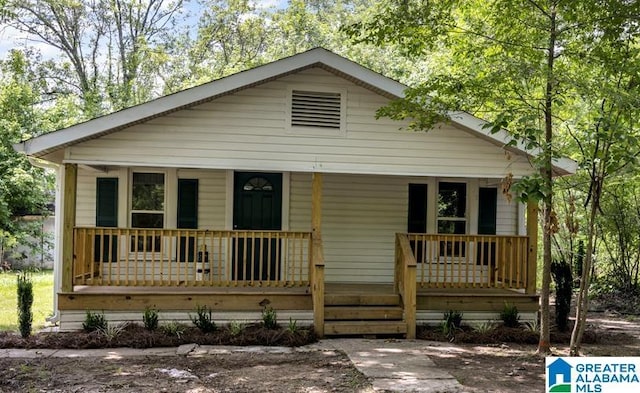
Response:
column 464, row 219
column 131, row 211
column 452, row 254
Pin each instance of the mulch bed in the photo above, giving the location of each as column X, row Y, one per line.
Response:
column 502, row 334
column 136, row 336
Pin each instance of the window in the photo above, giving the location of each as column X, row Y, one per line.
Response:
column 257, row 184
column 452, row 210
column 147, row 208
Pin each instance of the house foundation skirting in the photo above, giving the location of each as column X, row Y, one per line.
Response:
column 434, row 318
column 72, row 320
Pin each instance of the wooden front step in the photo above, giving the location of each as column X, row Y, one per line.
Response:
column 358, row 313
column 387, row 299
column 363, row 314
column 364, row 327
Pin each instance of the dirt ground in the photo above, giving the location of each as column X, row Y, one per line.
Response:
column 479, row 368
column 512, row 367
column 235, row 372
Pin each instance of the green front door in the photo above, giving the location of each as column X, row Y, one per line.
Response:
column 257, row 205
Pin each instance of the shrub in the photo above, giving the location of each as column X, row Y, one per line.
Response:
column 269, row 318
column 483, row 327
column 25, row 302
column 293, row 325
column 203, row 319
column 150, row 318
column 94, row 321
column 561, row 273
column 111, row 332
column 236, row 327
column 452, row 321
column 532, row 326
column 173, row 328
column 510, row 315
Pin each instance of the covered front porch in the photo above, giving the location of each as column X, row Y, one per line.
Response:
column 123, row 270
column 237, row 273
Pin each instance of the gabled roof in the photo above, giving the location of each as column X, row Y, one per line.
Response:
column 319, row 57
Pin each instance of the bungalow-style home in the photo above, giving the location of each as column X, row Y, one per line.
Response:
column 278, row 186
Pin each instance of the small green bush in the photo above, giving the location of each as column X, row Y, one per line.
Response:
column 483, row 327
column 150, row 318
column 94, row 322
column 111, row 332
column 204, row 319
column 269, row 318
column 563, row 278
column 510, row 315
column 532, row 326
column 236, row 328
column 25, row 302
column 452, row 322
column 293, row 325
column 173, row 328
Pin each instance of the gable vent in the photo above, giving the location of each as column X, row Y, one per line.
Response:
column 315, row 109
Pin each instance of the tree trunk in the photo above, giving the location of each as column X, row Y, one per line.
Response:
column 544, row 346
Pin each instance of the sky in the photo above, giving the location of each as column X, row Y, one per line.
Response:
column 11, row 38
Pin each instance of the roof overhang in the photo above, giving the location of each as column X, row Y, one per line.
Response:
column 51, row 143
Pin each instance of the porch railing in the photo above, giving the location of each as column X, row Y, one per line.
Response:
column 173, row 257
column 470, row 261
column 405, row 282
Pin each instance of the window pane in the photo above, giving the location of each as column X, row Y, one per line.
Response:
column 452, row 227
column 452, row 199
column 147, row 220
column 148, row 191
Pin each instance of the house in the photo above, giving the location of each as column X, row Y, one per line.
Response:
column 278, row 185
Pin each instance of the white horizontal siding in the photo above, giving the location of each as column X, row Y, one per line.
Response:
column 300, row 202
column 211, row 196
column 86, row 195
column 247, row 130
column 72, row 320
column 426, row 317
column 507, row 215
column 361, row 215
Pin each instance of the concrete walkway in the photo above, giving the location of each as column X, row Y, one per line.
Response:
column 396, row 365
column 393, row 365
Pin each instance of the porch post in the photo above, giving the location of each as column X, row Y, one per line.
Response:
column 317, row 257
column 532, row 252
column 68, row 223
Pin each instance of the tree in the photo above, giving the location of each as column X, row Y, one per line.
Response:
column 501, row 66
column 518, row 63
column 112, row 35
column 24, row 189
column 606, row 128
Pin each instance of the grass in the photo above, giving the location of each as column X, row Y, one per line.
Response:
column 42, row 299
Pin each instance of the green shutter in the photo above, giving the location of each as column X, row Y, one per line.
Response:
column 187, row 203
column 487, row 213
column 417, row 217
column 187, row 217
column 417, row 209
column 107, row 202
column 106, row 248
